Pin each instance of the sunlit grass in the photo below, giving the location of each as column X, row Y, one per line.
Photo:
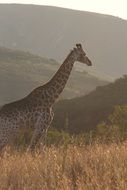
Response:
column 92, row 167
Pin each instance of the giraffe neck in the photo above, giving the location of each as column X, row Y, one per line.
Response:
column 47, row 94
column 56, row 85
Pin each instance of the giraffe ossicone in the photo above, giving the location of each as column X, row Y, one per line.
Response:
column 35, row 110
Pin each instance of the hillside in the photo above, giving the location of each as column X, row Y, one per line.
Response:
column 84, row 113
column 20, row 72
column 51, row 31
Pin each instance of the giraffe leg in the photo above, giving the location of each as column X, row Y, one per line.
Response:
column 49, row 120
column 38, row 133
column 44, row 135
column 3, row 143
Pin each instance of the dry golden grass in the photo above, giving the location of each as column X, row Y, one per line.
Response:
column 95, row 167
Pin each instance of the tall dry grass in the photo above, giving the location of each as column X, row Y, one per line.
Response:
column 93, row 167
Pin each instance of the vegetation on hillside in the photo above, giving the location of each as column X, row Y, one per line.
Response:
column 85, row 113
column 115, row 127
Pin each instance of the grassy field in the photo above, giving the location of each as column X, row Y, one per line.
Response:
column 93, row 167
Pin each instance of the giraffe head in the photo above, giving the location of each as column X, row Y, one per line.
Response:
column 80, row 55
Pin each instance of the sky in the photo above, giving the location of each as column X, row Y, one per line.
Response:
column 112, row 7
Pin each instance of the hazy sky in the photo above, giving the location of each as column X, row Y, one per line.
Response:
column 112, row 7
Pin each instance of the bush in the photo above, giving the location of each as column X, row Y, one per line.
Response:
column 115, row 128
column 57, row 138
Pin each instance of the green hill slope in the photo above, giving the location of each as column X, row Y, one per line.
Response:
column 20, row 72
column 84, row 113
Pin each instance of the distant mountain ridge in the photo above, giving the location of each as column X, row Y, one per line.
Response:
column 51, row 31
column 21, row 72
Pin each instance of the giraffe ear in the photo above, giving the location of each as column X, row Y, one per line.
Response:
column 78, row 45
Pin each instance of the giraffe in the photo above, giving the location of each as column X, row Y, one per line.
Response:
column 35, row 110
